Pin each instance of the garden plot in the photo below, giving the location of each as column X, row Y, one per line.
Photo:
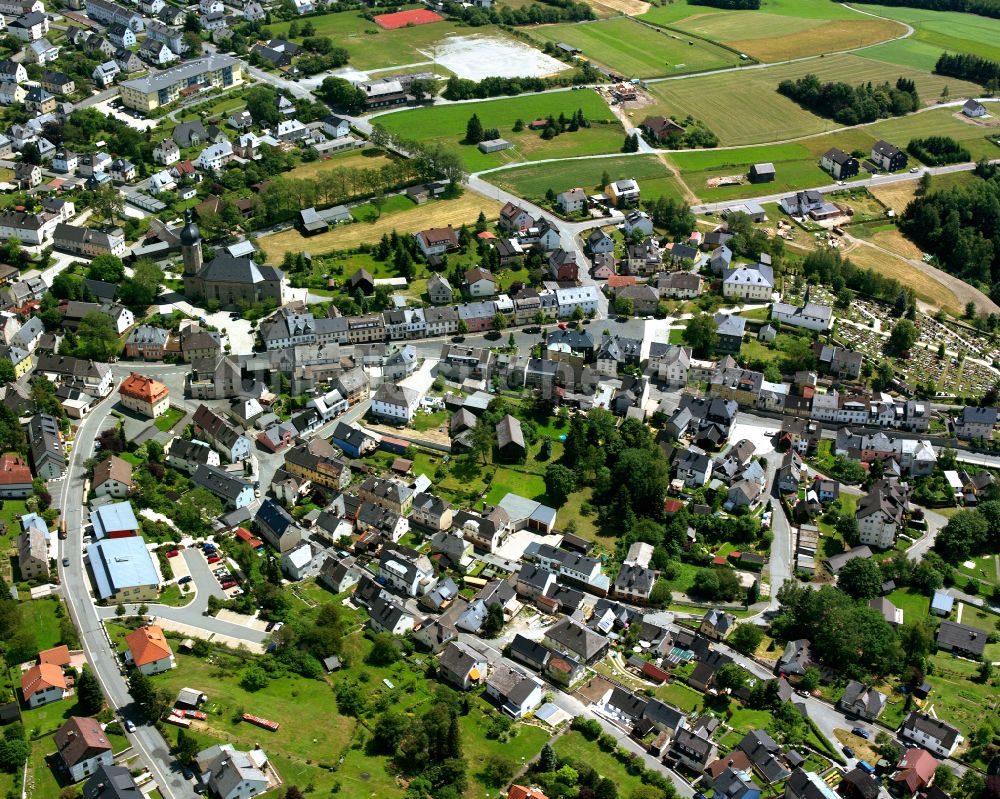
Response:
column 478, row 57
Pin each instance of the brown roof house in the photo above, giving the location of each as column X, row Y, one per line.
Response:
column 82, row 747
column 113, row 477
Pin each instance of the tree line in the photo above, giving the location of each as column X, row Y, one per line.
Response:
column 971, row 68
column 831, row 268
column 938, row 150
column 852, row 105
column 464, row 89
column 985, row 8
column 731, row 5
column 959, row 226
column 548, row 12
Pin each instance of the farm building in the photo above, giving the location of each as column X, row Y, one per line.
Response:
column 762, row 173
column 494, row 145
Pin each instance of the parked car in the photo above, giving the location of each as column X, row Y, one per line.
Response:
column 65, row 562
column 214, row 559
column 184, row 580
column 862, row 732
column 848, row 751
column 129, row 725
column 228, row 584
column 173, row 553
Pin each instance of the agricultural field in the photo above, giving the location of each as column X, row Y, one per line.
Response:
column 532, row 182
column 944, row 30
column 651, row 53
column 461, row 210
column 372, row 47
column 780, row 30
column 445, row 125
column 747, row 109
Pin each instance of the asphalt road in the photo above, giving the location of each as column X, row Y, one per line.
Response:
column 146, row 740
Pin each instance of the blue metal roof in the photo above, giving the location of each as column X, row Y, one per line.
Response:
column 119, row 563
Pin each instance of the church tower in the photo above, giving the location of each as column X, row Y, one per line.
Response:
column 191, row 246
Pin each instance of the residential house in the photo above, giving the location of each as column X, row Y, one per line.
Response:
column 395, row 403
column 888, row 157
column 862, row 701
column 934, row 734
column 232, row 774
column 961, row 639
column 515, row 692
column 42, row 684
column 83, row 747
column 277, row 527
column 570, row 637
column 148, row 650
column 45, row 442
column 914, row 771
column 144, row 395
column 437, row 241
column 113, row 478
column 33, row 548
column 839, row 164
column 462, row 666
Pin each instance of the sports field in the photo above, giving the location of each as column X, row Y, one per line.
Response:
column 445, row 124
column 949, row 30
column 372, row 47
column 781, row 29
column 745, row 107
column 650, row 52
column 533, row 181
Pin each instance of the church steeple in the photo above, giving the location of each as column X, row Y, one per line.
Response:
column 191, row 246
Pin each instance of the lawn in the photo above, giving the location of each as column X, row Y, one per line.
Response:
column 510, row 481
column 445, row 125
column 169, row 419
column 944, row 30
column 430, row 421
column 973, row 617
column 914, row 606
column 520, row 749
column 985, row 570
column 958, row 696
column 41, row 614
column 368, row 213
column 532, row 181
column 369, row 158
column 372, row 47
column 680, row 696
column 748, row 109
column 574, row 746
column 456, row 212
column 651, row 52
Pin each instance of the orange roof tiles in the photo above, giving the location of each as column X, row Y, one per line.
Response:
column 58, row 656
column 41, row 677
column 143, row 388
column 148, row 645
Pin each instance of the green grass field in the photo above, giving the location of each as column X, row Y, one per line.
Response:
column 747, row 109
column 370, row 46
column 651, row 52
column 780, row 29
column 795, row 167
column 574, row 746
column 445, row 125
column 947, row 30
column 942, row 122
column 534, row 181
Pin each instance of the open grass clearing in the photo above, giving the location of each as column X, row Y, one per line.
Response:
column 681, row 696
column 747, row 109
column 907, row 53
column 169, row 419
column 456, row 212
column 795, row 168
column 574, row 746
column 651, row 52
column 369, row 158
column 924, row 285
column 948, row 30
column 446, row 124
column 532, row 182
column 372, row 47
column 943, row 122
column 914, row 606
column 958, row 696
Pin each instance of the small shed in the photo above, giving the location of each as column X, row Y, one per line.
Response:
column 190, row 697
column 331, row 663
column 762, row 173
column 494, row 145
